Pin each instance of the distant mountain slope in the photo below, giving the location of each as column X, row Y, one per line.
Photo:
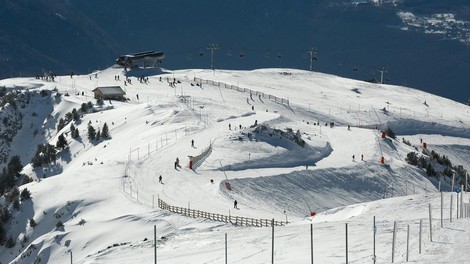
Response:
column 45, row 35
column 353, row 38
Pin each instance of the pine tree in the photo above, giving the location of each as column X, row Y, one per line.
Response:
column 16, row 203
column 61, row 124
column 32, row 223
column 76, row 134
column 84, row 107
column 105, row 131
column 14, row 166
column 89, row 105
column 68, row 117
column 61, row 142
column 25, row 194
column 72, row 130
column 51, row 153
column 91, row 132
column 75, row 115
column 2, row 233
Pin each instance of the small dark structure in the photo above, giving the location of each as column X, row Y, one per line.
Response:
column 142, row 58
column 109, row 93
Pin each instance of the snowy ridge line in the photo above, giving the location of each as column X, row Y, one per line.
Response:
column 235, row 220
column 245, row 90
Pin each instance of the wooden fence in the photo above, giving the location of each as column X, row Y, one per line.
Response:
column 244, row 90
column 236, row 220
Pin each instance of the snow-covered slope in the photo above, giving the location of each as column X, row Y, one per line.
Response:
column 105, row 192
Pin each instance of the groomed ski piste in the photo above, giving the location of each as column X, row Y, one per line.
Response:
column 105, row 192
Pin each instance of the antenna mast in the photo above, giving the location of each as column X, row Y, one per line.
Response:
column 313, row 56
column 212, row 47
column 382, row 71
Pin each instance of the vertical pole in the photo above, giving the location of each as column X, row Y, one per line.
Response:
column 407, row 242
column 311, row 243
column 225, row 248
column 71, row 257
column 442, row 209
column 375, row 231
column 457, row 208
column 272, row 251
column 439, row 185
column 451, row 204
column 420, row 233
column 466, row 182
column 155, row 243
column 347, row 243
column 393, row 240
column 452, row 185
column 461, row 202
column 430, row 223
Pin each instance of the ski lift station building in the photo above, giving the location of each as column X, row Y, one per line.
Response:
column 143, row 59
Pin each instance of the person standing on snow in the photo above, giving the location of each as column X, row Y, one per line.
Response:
column 160, row 179
column 235, row 204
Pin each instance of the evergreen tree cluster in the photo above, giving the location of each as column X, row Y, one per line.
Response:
column 5, row 216
column 45, row 154
column 61, row 142
column 430, row 160
column 10, row 174
column 3, row 91
column 74, row 115
column 12, row 197
column 74, row 133
column 93, row 134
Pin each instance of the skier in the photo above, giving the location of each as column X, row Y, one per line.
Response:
column 353, row 157
column 235, row 204
column 362, row 156
column 349, row 127
column 192, row 143
column 229, row 126
column 160, row 179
